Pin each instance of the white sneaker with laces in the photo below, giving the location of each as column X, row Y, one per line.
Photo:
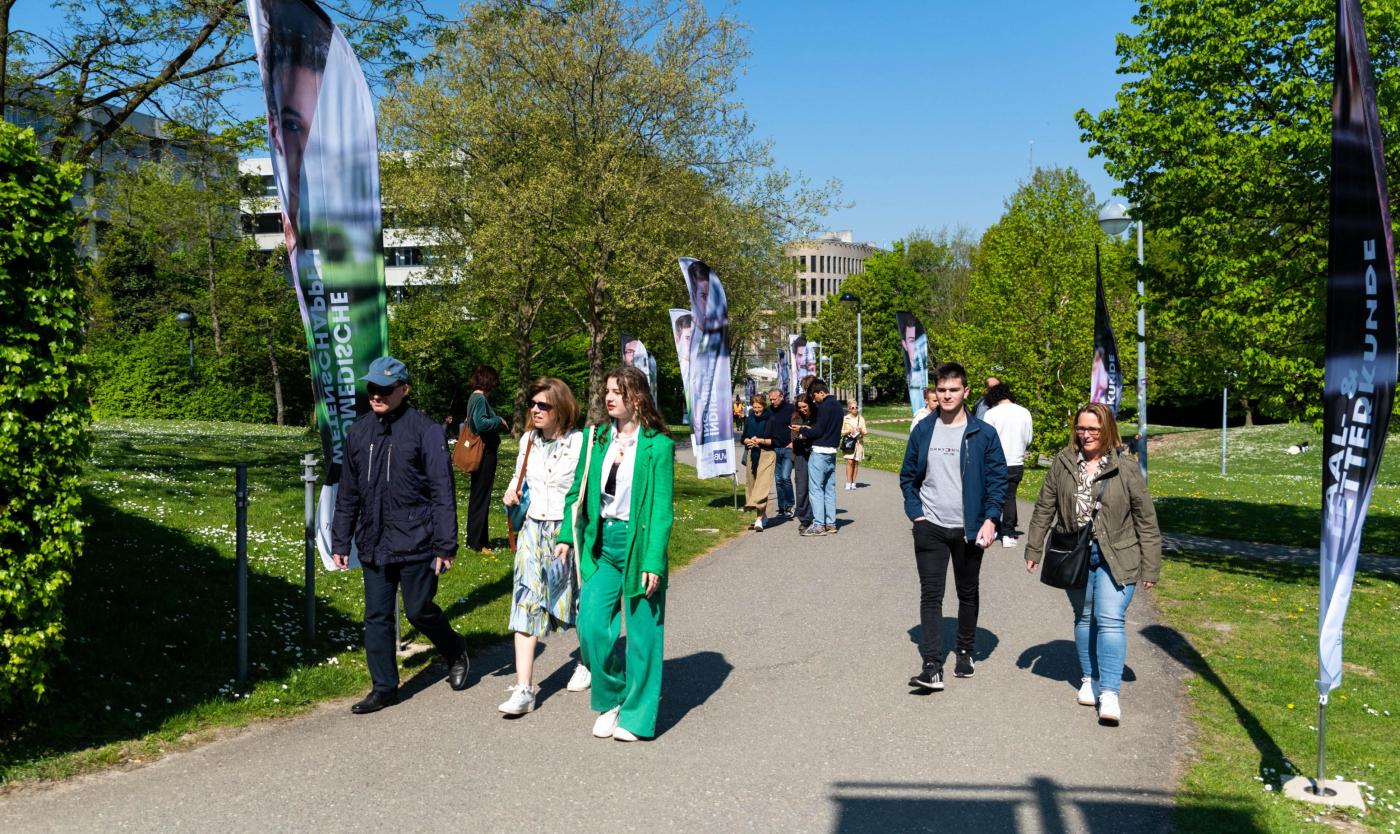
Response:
column 1086, row 692
column 621, row 734
column 758, row 524
column 580, row 680
column 1008, row 541
column 521, row 700
column 1110, row 711
column 606, row 723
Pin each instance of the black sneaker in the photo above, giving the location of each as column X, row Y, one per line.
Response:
column 930, row 678
column 964, row 668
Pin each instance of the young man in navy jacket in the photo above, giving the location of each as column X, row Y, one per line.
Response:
column 954, row 485
column 825, row 434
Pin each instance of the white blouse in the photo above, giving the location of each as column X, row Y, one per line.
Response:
column 550, row 473
column 619, row 504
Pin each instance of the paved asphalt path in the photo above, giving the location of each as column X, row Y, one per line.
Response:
column 784, row 709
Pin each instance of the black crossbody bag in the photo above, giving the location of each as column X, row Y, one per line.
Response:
column 1066, row 562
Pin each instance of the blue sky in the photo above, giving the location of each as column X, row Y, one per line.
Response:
column 925, row 111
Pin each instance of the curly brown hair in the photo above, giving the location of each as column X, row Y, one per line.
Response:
column 636, row 392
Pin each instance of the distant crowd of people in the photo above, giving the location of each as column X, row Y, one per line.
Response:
column 593, row 512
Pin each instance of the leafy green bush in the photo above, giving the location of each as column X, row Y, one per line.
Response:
column 43, row 409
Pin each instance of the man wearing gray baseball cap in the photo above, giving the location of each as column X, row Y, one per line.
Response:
column 397, row 503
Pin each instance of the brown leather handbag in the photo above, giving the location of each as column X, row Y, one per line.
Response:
column 467, row 454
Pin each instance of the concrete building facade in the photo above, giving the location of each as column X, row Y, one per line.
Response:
column 822, row 266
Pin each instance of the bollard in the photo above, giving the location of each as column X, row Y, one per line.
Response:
column 240, row 503
column 308, row 477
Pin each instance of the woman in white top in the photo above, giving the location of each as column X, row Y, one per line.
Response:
column 544, row 597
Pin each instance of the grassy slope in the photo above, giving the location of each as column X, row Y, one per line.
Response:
column 151, row 637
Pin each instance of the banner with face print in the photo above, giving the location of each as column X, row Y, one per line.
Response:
column 712, row 417
column 1360, row 365
column 683, row 328
column 636, row 355
column 784, row 374
column 913, row 343
column 325, row 160
column 1106, row 374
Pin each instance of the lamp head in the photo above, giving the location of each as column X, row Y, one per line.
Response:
column 850, row 298
column 1115, row 218
column 185, row 320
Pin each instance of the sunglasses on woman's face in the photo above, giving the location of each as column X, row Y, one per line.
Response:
column 541, row 405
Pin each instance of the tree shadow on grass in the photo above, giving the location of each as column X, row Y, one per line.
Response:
column 1179, row 648
column 1264, row 522
column 151, row 631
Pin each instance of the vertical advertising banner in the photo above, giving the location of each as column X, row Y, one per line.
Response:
column 797, row 358
column 712, row 417
column 325, row 159
column 1106, row 374
column 683, row 326
column 913, row 342
column 1359, row 384
column 636, row 355
column 784, row 374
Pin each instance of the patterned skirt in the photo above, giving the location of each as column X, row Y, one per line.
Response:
column 546, row 594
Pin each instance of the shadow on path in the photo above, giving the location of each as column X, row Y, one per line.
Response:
column 984, row 641
column 686, row 683
column 1058, row 661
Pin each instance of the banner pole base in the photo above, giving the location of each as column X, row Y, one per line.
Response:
column 1335, row 793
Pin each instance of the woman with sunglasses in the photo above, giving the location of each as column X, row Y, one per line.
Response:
column 544, row 593
column 1127, row 547
column 622, row 529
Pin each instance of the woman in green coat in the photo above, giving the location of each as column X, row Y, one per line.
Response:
column 618, row 516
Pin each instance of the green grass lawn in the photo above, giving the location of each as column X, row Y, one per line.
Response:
column 151, row 642
column 1247, row 633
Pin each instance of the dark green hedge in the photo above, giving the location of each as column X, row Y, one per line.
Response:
column 43, row 409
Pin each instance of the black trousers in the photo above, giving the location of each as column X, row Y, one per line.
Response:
column 483, row 480
column 934, row 547
column 1008, row 512
column 802, row 506
column 418, row 584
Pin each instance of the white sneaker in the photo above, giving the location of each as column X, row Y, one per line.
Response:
column 1086, row 692
column 1110, row 712
column 1008, row 541
column 620, row 734
column 758, row 524
column 580, row 680
column 606, row 723
column 521, row 700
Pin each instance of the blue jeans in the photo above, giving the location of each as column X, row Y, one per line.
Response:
column 1099, row 610
column 821, row 487
column 782, row 475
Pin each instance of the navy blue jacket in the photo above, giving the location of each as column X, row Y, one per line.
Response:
column 396, row 496
column 826, row 424
column 778, row 430
column 983, row 468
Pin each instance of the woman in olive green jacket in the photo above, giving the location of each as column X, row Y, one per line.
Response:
column 622, row 529
column 1127, row 546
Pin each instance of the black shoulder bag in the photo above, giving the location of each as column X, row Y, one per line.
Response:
column 1066, row 562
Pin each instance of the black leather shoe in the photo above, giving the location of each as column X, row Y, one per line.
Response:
column 457, row 672
column 374, row 702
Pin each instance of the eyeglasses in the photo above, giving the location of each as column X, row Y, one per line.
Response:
column 541, row 405
column 380, row 391
column 948, row 390
column 1088, row 429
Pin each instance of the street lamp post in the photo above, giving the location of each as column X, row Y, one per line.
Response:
column 186, row 320
column 1114, row 219
column 851, row 298
column 824, row 368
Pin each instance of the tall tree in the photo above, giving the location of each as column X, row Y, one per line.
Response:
column 1030, row 299
column 590, row 145
column 1221, row 138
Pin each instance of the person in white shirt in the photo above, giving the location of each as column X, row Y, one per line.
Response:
column 930, row 406
column 1013, row 425
column 543, row 597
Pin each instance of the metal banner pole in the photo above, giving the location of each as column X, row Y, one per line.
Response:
column 308, row 477
column 240, row 503
column 1224, row 424
column 1321, row 788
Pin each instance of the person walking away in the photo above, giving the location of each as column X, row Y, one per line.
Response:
column 758, row 472
column 544, row 594
column 1013, row 425
column 954, row 483
column 801, row 456
column 825, row 434
column 488, row 425
column 982, row 403
column 853, row 432
column 620, row 532
column 780, row 433
column 1126, row 549
column 396, row 502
